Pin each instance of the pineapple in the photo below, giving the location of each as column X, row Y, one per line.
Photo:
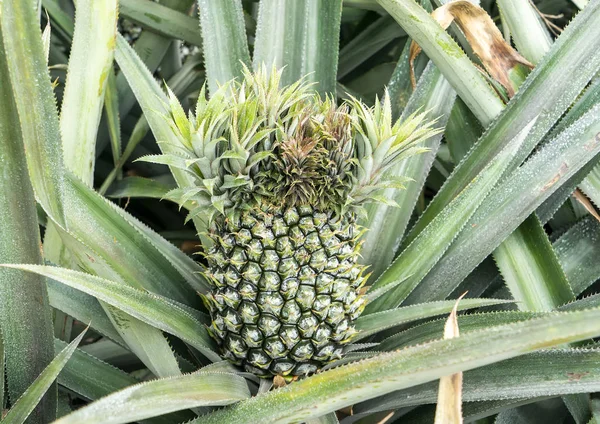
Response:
column 281, row 175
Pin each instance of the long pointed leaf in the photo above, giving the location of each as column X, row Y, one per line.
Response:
column 531, row 269
column 424, row 252
column 368, row 325
column 90, row 62
column 224, row 35
column 554, row 164
column 157, row 311
column 25, row 316
column 23, row 407
column 162, row 396
column 571, row 371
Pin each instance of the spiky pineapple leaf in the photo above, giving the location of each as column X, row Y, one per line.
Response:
column 225, row 44
column 158, row 397
column 34, row 98
column 548, row 91
column 23, row 406
column 424, row 252
column 90, row 61
column 577, row 251
column 531, row 269
column 431, row 330
column 155, row 310
column 25, row 322
column 162, row 20
column 387, row 372
column 93, row 379
column 303, row 36
column 554, row 164
column 370, row 324
column 528, row 376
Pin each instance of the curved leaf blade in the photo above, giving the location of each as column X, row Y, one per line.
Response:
column 26, row 403
column 370, row 324
column 152, row 309
column 158, row 397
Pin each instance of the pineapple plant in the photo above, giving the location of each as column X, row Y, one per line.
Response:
column 281, row 174
column 284, row 229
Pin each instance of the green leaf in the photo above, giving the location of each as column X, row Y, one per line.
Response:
column 162, row 396
column 527, row 30
column 577, row 250
column 303, row 36
column 83, row 308
column 387, row 372
column 90, row 62
column 25, row 316
column 162, row 20
column 225, row 45
column 431, row 330
column 92, row 379
column 35, row 102
column 548, row 91
column 435, row 95
column 531, row 269
column 545, row 373
column 111, row 106
column 423, row 253
column 368, row 325
column 368, row 42
column 139, row 187
column 23, row 407
column 511, row 203
column 462, row 131
column 155, row 310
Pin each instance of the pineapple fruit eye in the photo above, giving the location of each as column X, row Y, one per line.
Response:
column 285, row 295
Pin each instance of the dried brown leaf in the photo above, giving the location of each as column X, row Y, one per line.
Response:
column 449, row 402
column 497, row 56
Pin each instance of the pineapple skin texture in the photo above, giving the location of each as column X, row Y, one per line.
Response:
column 286, row 288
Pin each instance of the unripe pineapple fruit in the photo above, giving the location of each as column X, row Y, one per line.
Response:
column 287, row 288
column 278, row 177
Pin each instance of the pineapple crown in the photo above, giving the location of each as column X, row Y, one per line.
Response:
column 254, row 142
